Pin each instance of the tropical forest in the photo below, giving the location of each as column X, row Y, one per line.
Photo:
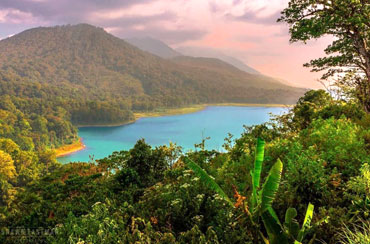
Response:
column 296, row 171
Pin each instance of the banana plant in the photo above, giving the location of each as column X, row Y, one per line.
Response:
column 260, row 207
column 262, row 199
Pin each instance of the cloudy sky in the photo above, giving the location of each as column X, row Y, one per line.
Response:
column 246, row 29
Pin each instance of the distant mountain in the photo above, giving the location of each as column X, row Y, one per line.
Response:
column 213, row 53
column 153, row 46
column 215, row 65
column 92, row 74
column 161, row 49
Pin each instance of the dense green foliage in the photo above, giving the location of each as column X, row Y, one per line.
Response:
column 260, row 203
column 148, row 195
column 33, row 125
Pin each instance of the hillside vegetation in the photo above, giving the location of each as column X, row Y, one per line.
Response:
column 83, row 59
column 314, row 162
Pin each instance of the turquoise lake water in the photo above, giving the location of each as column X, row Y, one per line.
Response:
column 185, row 130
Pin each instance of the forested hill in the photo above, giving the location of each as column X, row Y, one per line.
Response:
column 87, row 60
column 58, row 76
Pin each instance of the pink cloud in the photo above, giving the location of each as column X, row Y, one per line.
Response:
column 261, row 45
column 15, row 16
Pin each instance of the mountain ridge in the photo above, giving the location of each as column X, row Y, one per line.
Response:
column 213, row 53
column 153, row 46
column 163, row 50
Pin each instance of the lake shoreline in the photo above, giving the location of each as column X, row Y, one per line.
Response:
column 108, row 125
column 68, row 149
column 165, row 112
column 75, row 147
column 184, row 110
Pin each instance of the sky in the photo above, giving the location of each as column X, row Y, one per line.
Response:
column 245, row 29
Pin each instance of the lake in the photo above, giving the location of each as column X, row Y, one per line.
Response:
column 185, row 130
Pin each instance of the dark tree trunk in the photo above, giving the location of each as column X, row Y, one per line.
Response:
column 363, row 93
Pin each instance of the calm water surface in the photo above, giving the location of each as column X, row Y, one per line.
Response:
column 186, row 130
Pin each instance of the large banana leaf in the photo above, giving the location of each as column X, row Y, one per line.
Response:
column 256, row 174
column 206, row 179
column 273, row 214
column 274, row 229
column 260, row 151
column 306, row 222
column 271, row 185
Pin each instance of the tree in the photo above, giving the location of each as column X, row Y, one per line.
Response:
column 349, row 53
column 139, row 159
column 306, row 107
column 7, row 167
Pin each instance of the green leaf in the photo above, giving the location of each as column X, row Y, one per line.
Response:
column 271, row 185
column 256, row 175
column 207, row 180
column 273, row 214
column 291, row 224
column 260, row 151
column 274, row 230
column 306, row 222
column 309, row 214
column 290, row 214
